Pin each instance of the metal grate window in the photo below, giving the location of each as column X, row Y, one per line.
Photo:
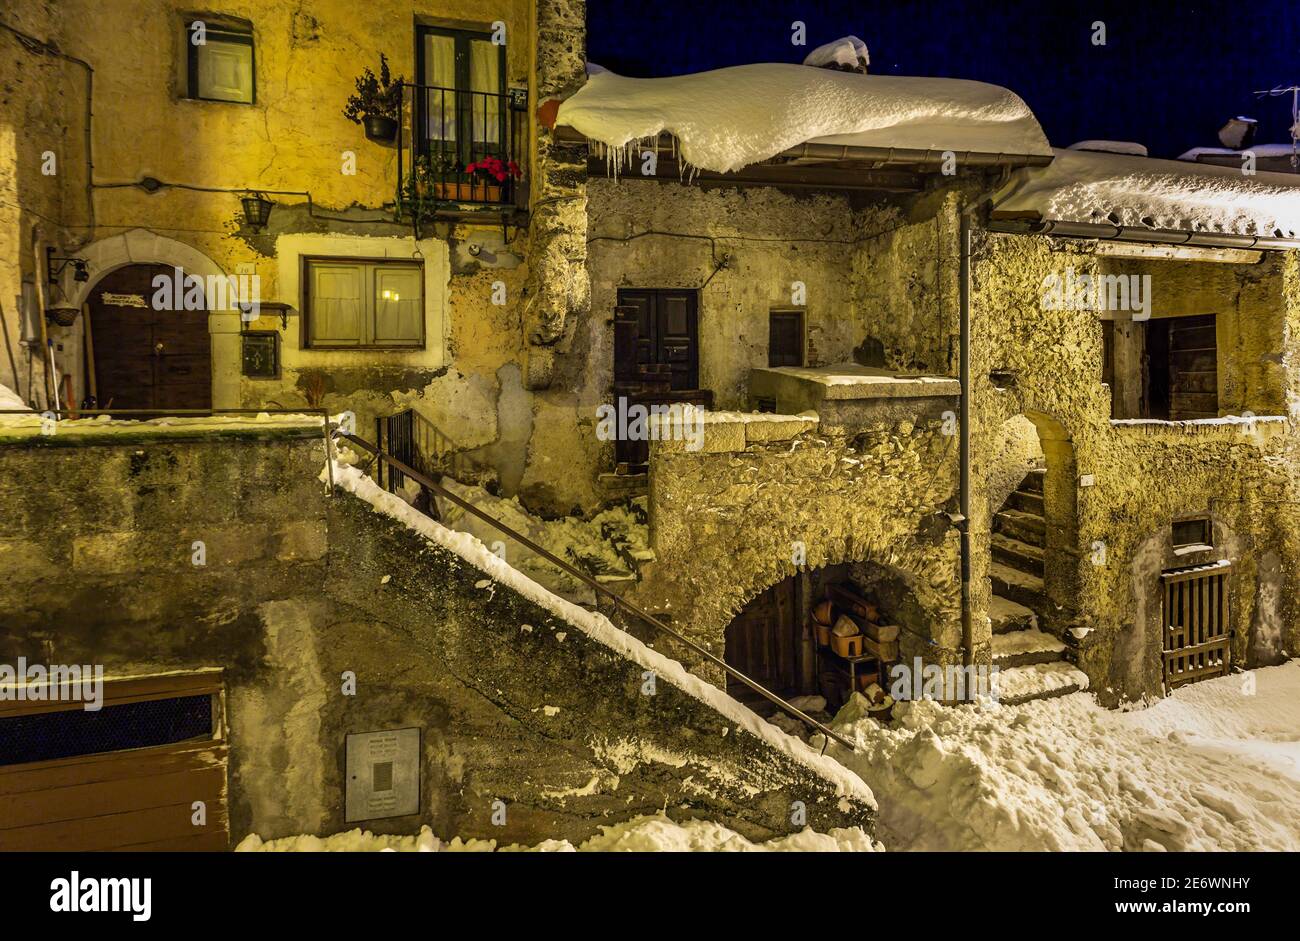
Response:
column 68, row 733
column 1196, row 641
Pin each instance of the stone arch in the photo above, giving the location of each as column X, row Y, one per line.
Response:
column 924, row 601
column 140, row 246
column 1061, row 551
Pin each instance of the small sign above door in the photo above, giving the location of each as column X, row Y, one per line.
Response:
column 123, row 300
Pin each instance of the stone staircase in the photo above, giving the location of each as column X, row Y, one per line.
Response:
column 1031, row 663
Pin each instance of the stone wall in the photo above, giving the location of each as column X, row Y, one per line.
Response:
column 97, row 541
column 1112, row 538
column 42, row 176
column 729, row 520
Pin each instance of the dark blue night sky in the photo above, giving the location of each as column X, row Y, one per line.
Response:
column 1169, row 76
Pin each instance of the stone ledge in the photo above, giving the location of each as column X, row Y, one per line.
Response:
column 1230, row 426
column 23, row 431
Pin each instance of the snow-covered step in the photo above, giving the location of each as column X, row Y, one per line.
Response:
column 1021, row 525
column 1040, row 681
column 1025, row 648
column 1017, row 554
column 1026, row 502
column 1008, row 615
column 1018, row 586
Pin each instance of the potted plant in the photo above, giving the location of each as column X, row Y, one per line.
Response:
column 419, row 193
column 494, row 172
column 377, row 103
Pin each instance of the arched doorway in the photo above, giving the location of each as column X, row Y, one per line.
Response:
column 149, row 355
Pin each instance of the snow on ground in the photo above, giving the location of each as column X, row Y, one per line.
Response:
column 1215, row 766
column 1083, row 186
column 644, row 834
column 729, row 118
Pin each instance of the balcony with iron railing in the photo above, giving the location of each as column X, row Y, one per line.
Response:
column 459, row 150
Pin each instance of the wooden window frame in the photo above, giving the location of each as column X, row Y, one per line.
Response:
column 226, row 34
column 1207, row 530
column 461, row 37
column 305, row 339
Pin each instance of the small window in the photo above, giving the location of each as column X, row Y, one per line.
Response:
column 220, row 62
column 1192, row 532
column 352, row 304
column 785, row 338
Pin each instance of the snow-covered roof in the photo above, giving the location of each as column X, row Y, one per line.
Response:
column 1133, row 148
column 730, row 118
column 1259, row 150
column 1086, row 187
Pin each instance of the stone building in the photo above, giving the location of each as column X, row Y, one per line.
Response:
column 895, row 399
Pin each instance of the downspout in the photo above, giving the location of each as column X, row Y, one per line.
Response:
column 963, row 368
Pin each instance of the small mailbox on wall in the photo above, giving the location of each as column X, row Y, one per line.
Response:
column 382, row 774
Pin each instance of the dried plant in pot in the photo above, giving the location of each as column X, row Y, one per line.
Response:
column 312, row 384
column 377, row 103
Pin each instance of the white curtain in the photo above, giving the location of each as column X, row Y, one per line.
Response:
column 440, row 72
column 485, row 76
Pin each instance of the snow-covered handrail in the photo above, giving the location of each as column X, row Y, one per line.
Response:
column 599, row 587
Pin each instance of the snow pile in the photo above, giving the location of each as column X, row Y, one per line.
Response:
column 580, row 542
column 729, row 118
column 1215, row 766
column 598, row 627
column 1079, row 186
column 641, row 835
column 1259, row 150
column 32, row 424
column 9, row 398
column 1132, row 148
column 849, row 52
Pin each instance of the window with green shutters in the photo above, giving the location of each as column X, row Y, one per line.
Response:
column 350, row 304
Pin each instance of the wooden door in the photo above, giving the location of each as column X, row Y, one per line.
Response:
column 667, row 332
column 763, row 642
column 1193, row 368
column 1197, row 645
column 147, row 357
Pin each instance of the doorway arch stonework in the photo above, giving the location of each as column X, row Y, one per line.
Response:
column 141, row 246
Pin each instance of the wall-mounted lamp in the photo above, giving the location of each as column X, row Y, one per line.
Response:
column 80, row 271
column 257, row 211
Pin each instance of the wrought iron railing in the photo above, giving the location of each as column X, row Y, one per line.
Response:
column 419, row 443
column 600, row 588
column 458, row 147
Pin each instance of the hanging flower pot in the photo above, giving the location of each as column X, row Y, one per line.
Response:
column 377, row 103
column 381, row 128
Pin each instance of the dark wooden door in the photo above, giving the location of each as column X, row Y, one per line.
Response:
column 1193, row 368
column 667, row 332
column 147, row 357
column 763, row 641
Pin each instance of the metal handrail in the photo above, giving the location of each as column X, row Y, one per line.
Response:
column 618, row 600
